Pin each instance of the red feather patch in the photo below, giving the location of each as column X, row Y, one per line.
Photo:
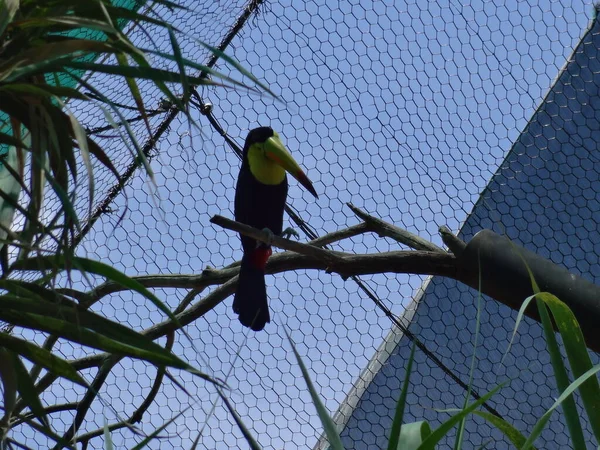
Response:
column 260, row 256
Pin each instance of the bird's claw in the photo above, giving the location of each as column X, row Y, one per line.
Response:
column 289, row 232
column 270, row 237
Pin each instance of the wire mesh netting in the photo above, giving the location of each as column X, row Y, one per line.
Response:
column 405, row 109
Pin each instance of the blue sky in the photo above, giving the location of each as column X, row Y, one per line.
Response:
column 405, row 109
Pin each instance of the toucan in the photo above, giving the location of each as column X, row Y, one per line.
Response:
column 260, row 197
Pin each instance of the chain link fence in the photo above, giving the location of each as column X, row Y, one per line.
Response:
column 405, row 109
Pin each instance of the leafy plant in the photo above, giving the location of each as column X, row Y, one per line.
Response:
column 51, row 55
column 420, row 436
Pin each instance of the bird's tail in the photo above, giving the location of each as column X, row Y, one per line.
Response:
column 250, row 300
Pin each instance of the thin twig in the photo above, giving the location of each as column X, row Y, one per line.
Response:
column 400, row 235
column 269, row 238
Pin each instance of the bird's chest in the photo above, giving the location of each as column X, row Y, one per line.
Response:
column 260, row 205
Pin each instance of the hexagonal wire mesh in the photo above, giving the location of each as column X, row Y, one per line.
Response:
column 406, row 109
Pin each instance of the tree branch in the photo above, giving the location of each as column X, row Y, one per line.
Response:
column 430, row 260
column 384, row 229
column 419, row 263
column 286, row 244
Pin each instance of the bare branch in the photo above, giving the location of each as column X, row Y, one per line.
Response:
column 286, row 244
column 336, row 236
column 298, row 257
column 455, row 245
column 420, row 263
column 208, row 277
column 400, row 235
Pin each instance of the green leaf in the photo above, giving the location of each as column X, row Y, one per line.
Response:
column 8, row 375
column 201, row 67
column 50, row 56
column 8, row 9
column 44, row 90
column 65, row 152
column 95, row 267
column 78, row 321
column 76, row 333
column 135, row 92
column 34, row 291
column 101, row 156
column 395, row 432
column 28, row 391
column 541, row 423
column 42, row 357
column 180, row 64
column 72, row 21
column 10, row 185
column 146, row 73
column 8, row 139
column 220, row 54
column 514, row 435
column 412, row 435
column 39, row 145
column 438, row 434
column 160, row 83
column 82, row 140
column 238, row 420
column 60, row 150
column 330, row 429
column 580, row 363
column 138, row 151
column 65, row 201
column 520, row 316
column 560, row 372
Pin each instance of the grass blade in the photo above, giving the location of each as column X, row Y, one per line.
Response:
column 513, row 435
column 438, row 434
column 539, row 426
column 413, row 435
column 8, row 375
column 238, row 420
column 580, row 362
column 28, row 391
column 330, row 429
column 399, row 415
column 42, row 357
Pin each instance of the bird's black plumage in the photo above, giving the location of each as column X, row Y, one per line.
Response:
column 261, row 206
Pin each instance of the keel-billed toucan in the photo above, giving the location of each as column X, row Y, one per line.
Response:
column 259, row 202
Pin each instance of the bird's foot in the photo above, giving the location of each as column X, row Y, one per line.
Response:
column 289, row 232
column 270, row 237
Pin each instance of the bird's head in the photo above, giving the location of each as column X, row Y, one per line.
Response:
column 269, row 159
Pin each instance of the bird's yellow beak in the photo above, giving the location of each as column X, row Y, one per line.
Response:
column 276, row 152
